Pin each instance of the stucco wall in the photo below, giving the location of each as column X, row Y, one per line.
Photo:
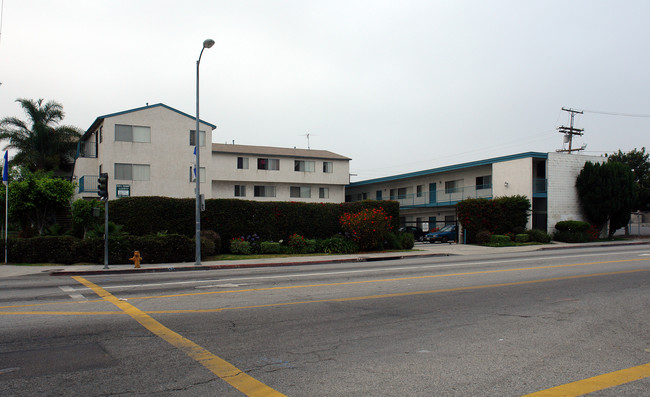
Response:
column 519, row 177
column 563, row 203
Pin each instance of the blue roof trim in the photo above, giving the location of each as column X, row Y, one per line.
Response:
column 431, row 171
column 98, row 119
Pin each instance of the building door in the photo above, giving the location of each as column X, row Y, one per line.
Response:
column 378, row 195
column 432, row 193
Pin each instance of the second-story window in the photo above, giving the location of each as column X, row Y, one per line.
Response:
column 328, row 167
column 242, row 163
column 304, row 165
column 193, row 138
column 268, row 164
column 483, row 182
column 132, row 133
column 453, row 186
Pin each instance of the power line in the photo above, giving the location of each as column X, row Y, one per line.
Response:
column 617, row 114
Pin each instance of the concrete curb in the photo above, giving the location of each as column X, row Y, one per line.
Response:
column 172, row 268
column 370, row 258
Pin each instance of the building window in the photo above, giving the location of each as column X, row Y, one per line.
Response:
column 378, row 195
column 132, row 133
column 193, row 137
column 201, row 174
column 264, row 191
column 101, row 134
column 420, row 190
column 240, row 190
column 132, row 172
column 484, row 182
column 401, row 193
column 328, row 167
column 268, row 164
column 242, row 163
column 304, row 166
column 453, row 186
column 323, row 192
column 300, row 192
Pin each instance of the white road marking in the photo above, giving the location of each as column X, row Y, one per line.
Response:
column 73, row 295
column 385, row 269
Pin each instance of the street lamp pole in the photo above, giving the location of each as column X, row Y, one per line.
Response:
column 197, row 169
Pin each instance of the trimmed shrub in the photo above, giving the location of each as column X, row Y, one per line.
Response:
column 539, row 236
column 498, row 239
column 339, row 245
column 522, row 238
column 572, row 226
column 483, row 237
column 239, row 246
column 572, row 231
column 214, row 237
column 405, row 241
column 269, row 247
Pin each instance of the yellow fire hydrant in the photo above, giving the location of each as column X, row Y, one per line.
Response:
column 136, row 259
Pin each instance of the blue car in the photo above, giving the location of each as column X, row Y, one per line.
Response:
column 448, row 234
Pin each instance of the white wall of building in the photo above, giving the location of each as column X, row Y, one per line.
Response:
column 563, row 202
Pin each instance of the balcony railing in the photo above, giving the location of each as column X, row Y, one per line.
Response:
column 441, row 198
column 88, row 184
column 540, row 186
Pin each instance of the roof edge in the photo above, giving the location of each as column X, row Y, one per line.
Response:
column 452, row 167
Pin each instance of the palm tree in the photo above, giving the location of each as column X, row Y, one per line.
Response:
column 44, row 145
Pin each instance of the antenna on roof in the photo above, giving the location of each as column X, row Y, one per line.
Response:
column 307, row 135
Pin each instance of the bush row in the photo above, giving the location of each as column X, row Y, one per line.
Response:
column 230, row 218
column 533, row 235
column 67, row 249
column 297, row 244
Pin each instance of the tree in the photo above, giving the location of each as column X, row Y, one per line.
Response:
column 607, row 194
column 34, row 200
column 42, row 144
column 639, row 163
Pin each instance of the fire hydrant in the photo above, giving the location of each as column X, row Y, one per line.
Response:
column 136, row 259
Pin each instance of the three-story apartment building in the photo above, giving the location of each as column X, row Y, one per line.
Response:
column 149, row 151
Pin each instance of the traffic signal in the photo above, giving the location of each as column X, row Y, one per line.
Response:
column 102, row 186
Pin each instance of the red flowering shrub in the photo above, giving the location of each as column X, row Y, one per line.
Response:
column 368, row 227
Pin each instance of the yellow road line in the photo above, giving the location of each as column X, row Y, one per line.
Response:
column 224, row 370
column 396, row 295
column 386, row 280
column 596, row 383
column 400, row 294
column 333, row 284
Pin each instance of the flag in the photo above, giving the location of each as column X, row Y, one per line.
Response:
column 194, row 167
column 5, row 169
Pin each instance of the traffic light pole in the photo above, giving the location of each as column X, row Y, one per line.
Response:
column 106, row 233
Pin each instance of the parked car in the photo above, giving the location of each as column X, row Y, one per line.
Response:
column 418, row 234
column 447, row 234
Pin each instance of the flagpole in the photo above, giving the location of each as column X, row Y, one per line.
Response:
column 6, row 218
column 5, row 180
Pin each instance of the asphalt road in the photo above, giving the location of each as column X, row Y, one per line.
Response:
column 503, row 325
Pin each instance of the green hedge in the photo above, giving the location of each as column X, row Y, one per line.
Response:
column 68, row 250
column 271, row 221
column 497, row 216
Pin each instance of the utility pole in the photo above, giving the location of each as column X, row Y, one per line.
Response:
column 569, row 132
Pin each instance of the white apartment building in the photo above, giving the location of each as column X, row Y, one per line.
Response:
column 428, row 198
column 149, row 151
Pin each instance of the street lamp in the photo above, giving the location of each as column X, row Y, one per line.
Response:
column 206, row 44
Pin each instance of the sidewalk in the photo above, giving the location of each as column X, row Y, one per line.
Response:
column 421, row 250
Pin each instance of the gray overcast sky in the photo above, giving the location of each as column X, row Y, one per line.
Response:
column 397, row 86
